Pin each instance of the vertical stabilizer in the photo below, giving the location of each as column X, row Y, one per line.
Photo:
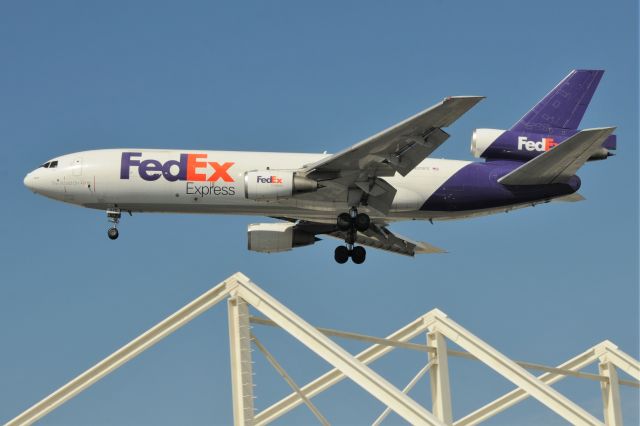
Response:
column 564, row 106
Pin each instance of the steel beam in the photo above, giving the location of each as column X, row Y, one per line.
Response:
column 440, row 389
column 548, row 396
column 335, row 355
column 518, row 395
column 610, row 394
column 275, row 364
column 450, row 352
column 127, row 352
column 622, row 360
column 332, row 377
column 406, row 390
column 241, row 364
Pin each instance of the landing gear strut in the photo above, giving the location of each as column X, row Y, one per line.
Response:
column 113, row 215
column 351, row 223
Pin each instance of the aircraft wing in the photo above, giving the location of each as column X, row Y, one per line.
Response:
column 397, row 149
column 377, row 236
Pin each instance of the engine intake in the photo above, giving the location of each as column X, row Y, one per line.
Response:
column 275, row 237
column 481, row 139
column 275, row 184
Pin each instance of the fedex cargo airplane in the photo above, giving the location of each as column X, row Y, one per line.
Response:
column 356, row 194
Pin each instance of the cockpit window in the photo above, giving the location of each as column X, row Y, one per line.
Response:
column 50, row 164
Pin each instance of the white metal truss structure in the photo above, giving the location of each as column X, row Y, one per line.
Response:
column 240, row 292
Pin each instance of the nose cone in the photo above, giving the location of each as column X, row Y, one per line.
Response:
column 28, row 181
column 31, row 181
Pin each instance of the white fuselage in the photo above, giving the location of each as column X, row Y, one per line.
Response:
column 213, row 182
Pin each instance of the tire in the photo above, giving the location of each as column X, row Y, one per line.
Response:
column 341, row 254
column 362, row 222
column 113, row 233
column 344, row 222
column 358, row 255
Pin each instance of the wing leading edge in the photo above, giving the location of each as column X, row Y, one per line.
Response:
column 356, row 174
column 397, row 149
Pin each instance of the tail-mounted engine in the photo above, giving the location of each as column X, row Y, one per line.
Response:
column 496, row 144
column 275, row 184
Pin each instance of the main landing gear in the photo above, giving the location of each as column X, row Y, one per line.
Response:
column 351, row 223
column 113, row 215
column 358, row 254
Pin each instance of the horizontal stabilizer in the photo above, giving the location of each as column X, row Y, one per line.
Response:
column 561, row 162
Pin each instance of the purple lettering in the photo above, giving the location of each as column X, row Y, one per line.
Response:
column 150, row 166
column 182, row 169
column 127, row 162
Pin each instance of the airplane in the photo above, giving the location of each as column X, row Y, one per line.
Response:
column 353, row 195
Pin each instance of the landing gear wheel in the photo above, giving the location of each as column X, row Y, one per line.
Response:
column 113, row 233
column 341, row 254
column 362, row 222
column 358, row 255
column 344, row 222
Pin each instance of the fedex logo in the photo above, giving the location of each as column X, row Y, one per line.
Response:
column 544, row 145
column 269, row 179
column 189, row 167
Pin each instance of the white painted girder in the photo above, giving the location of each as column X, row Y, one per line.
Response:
column 424, row 370
column 241, row 288
column 332, row 377
column 621, row 359
column 440, row 388
column 610, row 394
column 518, row 395
column 335, row 355
column 511, row 371
column 241, row 364
column 126, row 353
column 276, row 365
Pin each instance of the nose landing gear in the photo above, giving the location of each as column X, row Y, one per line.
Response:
column 113, row 215
column 351, row 223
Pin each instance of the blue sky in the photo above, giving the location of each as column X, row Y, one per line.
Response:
column 540, row 284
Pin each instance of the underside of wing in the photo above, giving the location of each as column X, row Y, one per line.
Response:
column 377, row 236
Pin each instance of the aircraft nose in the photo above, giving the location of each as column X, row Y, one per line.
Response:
column 30, row 181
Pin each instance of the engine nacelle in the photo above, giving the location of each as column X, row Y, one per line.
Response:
column 275, row 184
column 523, row 146
column 481, row 139
column 275, row 237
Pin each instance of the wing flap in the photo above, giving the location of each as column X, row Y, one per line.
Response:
column 377, row 236
column 380, row 237
column 561, row 162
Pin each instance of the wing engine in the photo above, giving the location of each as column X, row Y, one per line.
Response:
column 275, row 184
column 275, row 237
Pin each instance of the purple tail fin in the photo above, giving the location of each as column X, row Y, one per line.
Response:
column 564, row 106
